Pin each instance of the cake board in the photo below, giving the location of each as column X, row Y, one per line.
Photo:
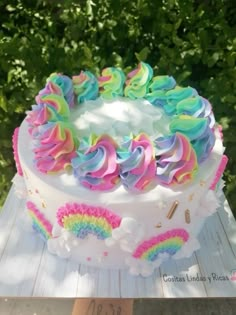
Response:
column 27, row 269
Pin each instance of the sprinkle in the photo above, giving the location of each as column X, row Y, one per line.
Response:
column 190, row 198
column 158, row 225
column 25, row 174
column 88, row 258
column 187, row 216
column 105, row 254
column 30, row 192
column 43, row 204
column 172, row 209
column 202, row 183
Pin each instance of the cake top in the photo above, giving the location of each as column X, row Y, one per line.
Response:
column 138, row 130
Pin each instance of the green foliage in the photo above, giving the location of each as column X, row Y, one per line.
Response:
column 195, row 41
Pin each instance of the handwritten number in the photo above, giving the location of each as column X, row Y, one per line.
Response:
column 97, row 309
column 91, row 308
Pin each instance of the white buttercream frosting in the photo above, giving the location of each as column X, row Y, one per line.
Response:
column 119, row 118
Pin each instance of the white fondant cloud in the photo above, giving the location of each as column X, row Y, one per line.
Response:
column 208, row 204
column 62, row 243
column 128, row 235
column 19, row 186
column 144, row 267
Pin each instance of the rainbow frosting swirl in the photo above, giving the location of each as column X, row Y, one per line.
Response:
column 198, row 132
column 83, row 219
column 50, row 88
column 175, row 159
column 196, row 107
column 138, row 81
column 162, row 82
column 52, row 107
column 111, row 83
column 85, row 86
column 66, row 86
column 137, row 162
column 95, row 164
column 55, row 146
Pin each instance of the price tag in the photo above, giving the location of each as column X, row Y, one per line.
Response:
column 103, row 307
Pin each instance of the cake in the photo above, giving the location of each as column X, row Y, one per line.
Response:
column 121, row 171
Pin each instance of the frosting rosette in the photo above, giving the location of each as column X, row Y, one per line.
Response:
column 169, row 99
column 173, row 97
column 66, row 85
column 136, row 158
column 176, row 160
column 111, row 82
column 85, row 86
column 197, row 107
column 138, row 81
column 162, row 82
column 95, row 164
column 198, row 132
column 56, row 145
column 50, row 88
column 52, row 107
column 157, row 89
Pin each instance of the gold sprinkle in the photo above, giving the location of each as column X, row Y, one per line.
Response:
column 190, row 198
column 202, row 183
column 158, row 225
column 187, row 216
column 172, row 209
column 30, row 192
column 25, row 174
column 43, row 204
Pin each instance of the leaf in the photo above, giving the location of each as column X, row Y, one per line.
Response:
column 183, row 76
column 143, row 54
column 3, row 102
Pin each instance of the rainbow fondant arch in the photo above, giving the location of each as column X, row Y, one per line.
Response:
column 169, row 242
column 40, row 223
column 82, row 220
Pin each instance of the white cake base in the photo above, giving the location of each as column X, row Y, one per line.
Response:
column 143, row 216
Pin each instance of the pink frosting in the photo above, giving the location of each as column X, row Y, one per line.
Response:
column 219, row 172
column 15, row 151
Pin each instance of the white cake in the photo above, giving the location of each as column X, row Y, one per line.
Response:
column 126, row 188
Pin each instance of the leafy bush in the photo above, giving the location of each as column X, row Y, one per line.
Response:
column 192, row 40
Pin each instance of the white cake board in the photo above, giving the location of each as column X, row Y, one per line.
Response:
column 28, row 270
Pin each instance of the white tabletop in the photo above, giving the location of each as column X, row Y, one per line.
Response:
column 27, row 269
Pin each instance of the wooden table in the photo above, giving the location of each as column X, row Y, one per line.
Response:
column 28, row 270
